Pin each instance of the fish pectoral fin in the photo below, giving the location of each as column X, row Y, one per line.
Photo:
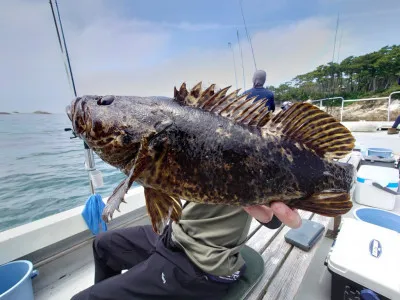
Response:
column 141, row 162
column 326, row 203
column 161, row 207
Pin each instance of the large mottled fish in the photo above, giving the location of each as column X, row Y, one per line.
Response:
column 213, row 147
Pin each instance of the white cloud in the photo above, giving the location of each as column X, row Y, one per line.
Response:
column 112, row 55
column 283, row 52
column 33, row 76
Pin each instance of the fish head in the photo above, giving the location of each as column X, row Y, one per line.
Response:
column 113, row 126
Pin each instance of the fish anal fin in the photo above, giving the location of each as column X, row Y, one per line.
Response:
column 326, row 203
column 161, row 207
column 308, row 125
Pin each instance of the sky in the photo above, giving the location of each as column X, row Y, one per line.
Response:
column 145, row 48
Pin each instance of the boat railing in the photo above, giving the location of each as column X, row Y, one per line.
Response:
column 388, row 98
column 29, row 240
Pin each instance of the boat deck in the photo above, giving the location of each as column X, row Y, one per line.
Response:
column 285, row 266
column 290, row 273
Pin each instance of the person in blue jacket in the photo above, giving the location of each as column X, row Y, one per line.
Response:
column 260, row 91
column 393, row 129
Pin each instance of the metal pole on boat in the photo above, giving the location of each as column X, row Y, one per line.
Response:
column 241, row 54
column 341, row 111
column 234, row 64
column 89, row 158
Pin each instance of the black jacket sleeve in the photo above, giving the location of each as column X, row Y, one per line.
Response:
column 273, row 224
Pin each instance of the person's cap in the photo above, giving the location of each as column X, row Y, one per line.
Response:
column 259, row 77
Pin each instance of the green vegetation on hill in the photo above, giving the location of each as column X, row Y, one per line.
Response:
column 372, row 74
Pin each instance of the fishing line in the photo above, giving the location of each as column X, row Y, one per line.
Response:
column 234, row 63
column 248, row 36
column 241, row 54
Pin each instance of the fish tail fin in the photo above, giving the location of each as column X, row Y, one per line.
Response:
column 326, row 203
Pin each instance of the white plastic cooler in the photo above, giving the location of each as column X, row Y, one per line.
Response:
column 365, row 259
column 368, row 194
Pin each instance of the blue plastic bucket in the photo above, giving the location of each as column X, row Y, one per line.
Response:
column 16, row 280
column 378, row 217
column 381, row 152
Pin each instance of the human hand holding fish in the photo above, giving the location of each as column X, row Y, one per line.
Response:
column 285, row 214
column 217, row 148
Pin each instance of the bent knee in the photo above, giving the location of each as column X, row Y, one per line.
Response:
column 102, row 241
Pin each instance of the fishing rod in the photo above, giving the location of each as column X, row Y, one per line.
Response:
column 66, row 49
column 60, row 42
column 332, row 90
column 241, row 54
column 248, row 36
column 334, row 44
column 234, row 63
column 89, row 158
column 340, row 45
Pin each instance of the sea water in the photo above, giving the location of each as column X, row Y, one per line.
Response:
column 42, row 170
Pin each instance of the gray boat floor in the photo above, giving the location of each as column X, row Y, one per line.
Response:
column 316, row 283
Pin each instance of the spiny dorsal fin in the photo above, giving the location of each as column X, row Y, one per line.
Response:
column 181, row 95
column 238, row 109
column 312, row 127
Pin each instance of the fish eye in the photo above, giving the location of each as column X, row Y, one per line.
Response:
column 106, row 100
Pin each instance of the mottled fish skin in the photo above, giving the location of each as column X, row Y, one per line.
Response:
column 202, row 157
column 220, row 162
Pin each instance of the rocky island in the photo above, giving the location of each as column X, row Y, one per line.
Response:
column 39, row 112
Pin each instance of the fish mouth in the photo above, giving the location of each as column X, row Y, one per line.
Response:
column 68, row 112
column 78, row 113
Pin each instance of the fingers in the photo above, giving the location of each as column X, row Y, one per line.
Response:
column 284, row 213
column 261, row 213
column 288, row 216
